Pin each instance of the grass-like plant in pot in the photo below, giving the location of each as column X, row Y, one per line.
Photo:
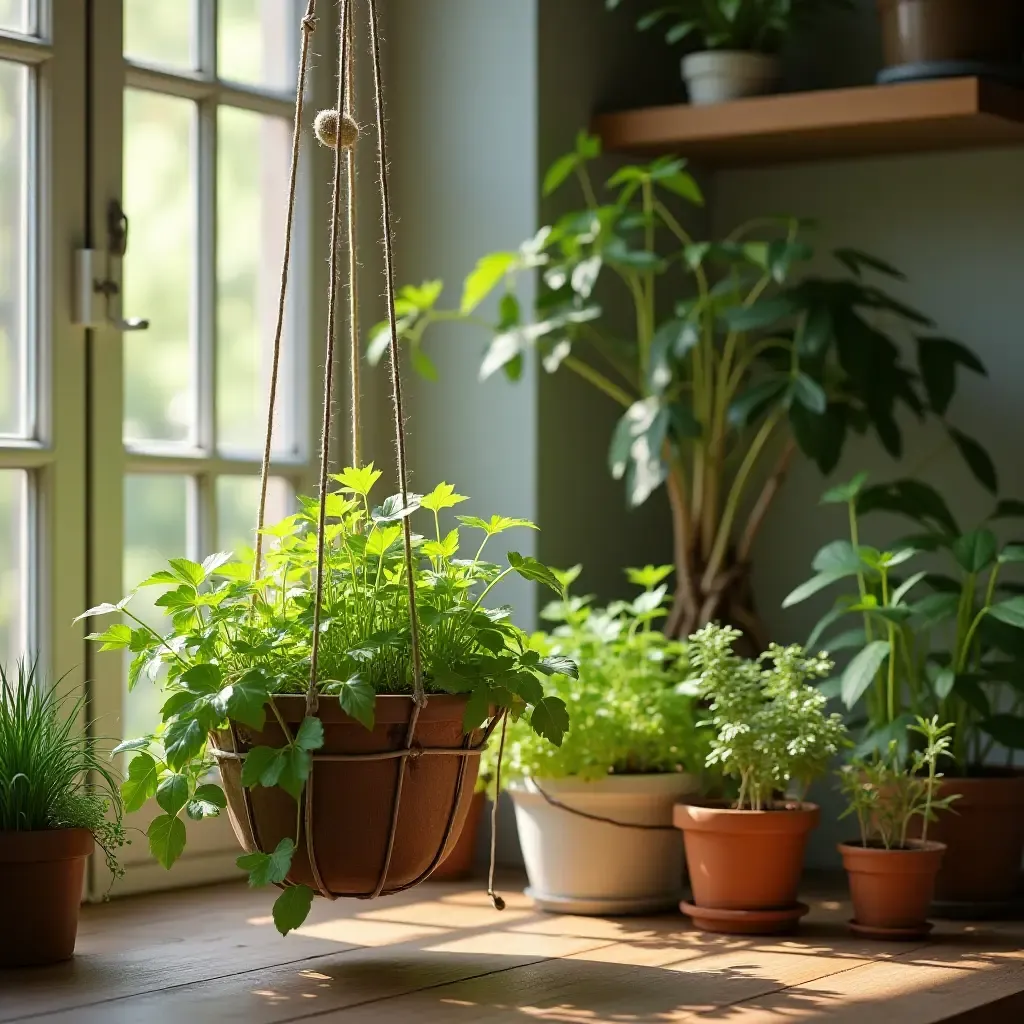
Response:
column 937, row 630
column 237, row 660
column 738, row 359
column 892, row 874
column 737, row 41
column 772, row 732
column 595, row 814
column 58, row 800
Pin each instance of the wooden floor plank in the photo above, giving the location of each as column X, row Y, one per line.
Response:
column 440, row 953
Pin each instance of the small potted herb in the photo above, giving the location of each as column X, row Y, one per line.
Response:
column 310, row 784
column 738, row 41
column 595, row 814
column 892, row 876
column 57, row 800
column 771, row 730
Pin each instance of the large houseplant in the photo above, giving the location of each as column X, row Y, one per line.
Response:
column 734, row 364
column 936, row 643
column 771, row 731
column 892, row 873
column 737, row 41
column 58, row 799
column 594, row 815
column 237, row 659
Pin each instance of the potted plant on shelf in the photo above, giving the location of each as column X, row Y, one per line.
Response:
column 738, row 41
column 719, row 394
column 892, row 874
column 58, row 799
column 237, row 659
column 595, row 814
column 948, row 38
column 944, row 644
column 771, row 730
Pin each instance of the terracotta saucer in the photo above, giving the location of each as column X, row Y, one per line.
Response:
column 745, row 922
column 895, row 934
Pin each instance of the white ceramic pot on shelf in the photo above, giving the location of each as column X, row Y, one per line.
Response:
column 717, row 76
column 580, row 866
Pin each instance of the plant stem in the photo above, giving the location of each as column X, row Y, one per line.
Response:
column 599, row 381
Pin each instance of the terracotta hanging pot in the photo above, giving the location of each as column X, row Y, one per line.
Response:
column 745, row 866
column 458, row 863
column 927, row 31
column 892, row 889
column 984, row 837
column 350, row 806
column 43, row 873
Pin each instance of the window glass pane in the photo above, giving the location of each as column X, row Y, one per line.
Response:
column 252, row 182
column 156, row 529
column 256, row 42
column 160, row 32
column 238, row 504
column 14, row 82
column 160, row 200
column 15, row 15
column 13, row 564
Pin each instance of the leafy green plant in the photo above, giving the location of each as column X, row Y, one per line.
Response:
column 50, row 775
column 630, row 708
column 886, row 793
column 717, row 394
column 236, row 642
column 926, row 643
column 770, row 724
column 758, row 25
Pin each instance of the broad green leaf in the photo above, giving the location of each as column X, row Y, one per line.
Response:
column 292, row 908
column 358, row 481
column 442, row 496
column 311, row 734
column 860, row 673
column 382, row 539
column 647, row 577
column 635, row 451
column 1008, row 508
column 262, row 767
column 141, row 782
column 559, row 664
column 187, row 571
column 943, row 682
column 849, row 640
column 935, row 609
column 829, row 619
column 550, row 719
column 910, row 498
column 1010, row 611
column 172, row 793
column 245, row 699
column 975, row 551
column 103, row 609
column 816, row 583
column 138, row 744
column 530, row 569
column 356, row 696
column 763, row 313
column 878, row 742
column 529, row 688
column 211, row 563
column 503, row 349
column 269, row 868
column 906, row 586
column 683, row 185
column 845, row 493
column 856, row 262
column 839, row 555
column 166, row 836
column 183, row 740
column 115, row 638
column 296, row 764
column 477, row 709
column 752, row 403
column 201, row 679
column 559, row 172
column 978, row 460
column 809, row 393
column 207, row 802
column 393, row 509
column 938, row 359
column 1012, row 553
column 490, row 269
column 496, row 524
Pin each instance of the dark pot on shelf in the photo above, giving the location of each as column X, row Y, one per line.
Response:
column 930, row 31
column 458, row 864
column 350, row 797
column 745, row 866
column 892, row 890
column 43, row 874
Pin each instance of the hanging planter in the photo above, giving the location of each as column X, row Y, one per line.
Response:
column 458, row 862
column 346, row 680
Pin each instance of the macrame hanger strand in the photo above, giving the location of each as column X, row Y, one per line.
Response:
column 353, row 265
column 308, row 26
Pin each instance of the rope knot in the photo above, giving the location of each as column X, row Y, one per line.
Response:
column 309, row 23
column 415, row 753
column 334, row 130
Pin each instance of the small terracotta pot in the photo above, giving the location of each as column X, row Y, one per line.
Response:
column 745, row 860
column 349, row 804
column 984, row 837
column 892, row 889
column 458, row 864
column 920, row 31
column 42, row 873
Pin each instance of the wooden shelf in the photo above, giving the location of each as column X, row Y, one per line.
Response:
column 945, row 114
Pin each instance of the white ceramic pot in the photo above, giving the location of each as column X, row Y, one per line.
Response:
column 717, row 76
column 580, row 866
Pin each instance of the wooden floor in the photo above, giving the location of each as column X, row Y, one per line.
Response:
column 441, row 954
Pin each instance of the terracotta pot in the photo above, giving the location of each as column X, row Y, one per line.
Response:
column 458, row 864
column 350, row 803
column 892, row 889
column 745, row 860
column 984, row 837
column 919, row 31
column 577, row 865
column 42, row 873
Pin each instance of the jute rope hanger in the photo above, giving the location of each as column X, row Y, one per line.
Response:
column 343, row 138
